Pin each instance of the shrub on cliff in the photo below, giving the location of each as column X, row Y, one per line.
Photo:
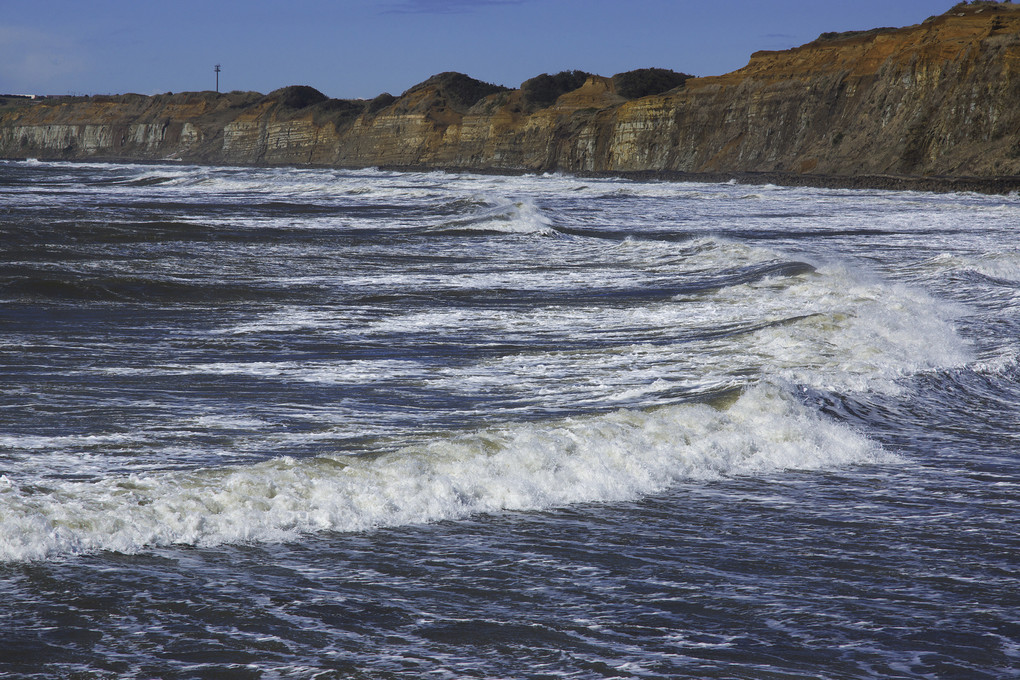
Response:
column 644, row 82
column 380, row 103
column 464, row 91
column 297, row 96
column 830, row 36
column 542, row 91
column 977, row 3
column 339, row 111
column 458, row 91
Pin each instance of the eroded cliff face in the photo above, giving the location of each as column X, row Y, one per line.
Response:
column 939, row 98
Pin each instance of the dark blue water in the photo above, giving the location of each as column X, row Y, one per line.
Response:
column 325, row 424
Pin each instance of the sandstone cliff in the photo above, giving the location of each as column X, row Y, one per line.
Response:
column 941, row 98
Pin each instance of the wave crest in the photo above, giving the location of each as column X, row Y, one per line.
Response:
column 533, row 466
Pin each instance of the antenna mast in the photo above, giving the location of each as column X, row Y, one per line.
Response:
column 217, row 69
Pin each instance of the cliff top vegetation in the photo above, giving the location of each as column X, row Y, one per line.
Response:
column 543, row 90
column 459, row 91
column 645, row 82
column 297, row 96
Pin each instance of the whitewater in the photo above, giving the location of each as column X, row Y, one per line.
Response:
column 328, row 423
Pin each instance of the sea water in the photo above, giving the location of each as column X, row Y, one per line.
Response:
column 309, row 423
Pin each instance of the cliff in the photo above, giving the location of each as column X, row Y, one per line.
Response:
column 937, row 99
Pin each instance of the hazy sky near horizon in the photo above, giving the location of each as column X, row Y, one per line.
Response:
column 360, row 48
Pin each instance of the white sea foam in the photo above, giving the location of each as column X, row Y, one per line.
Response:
column 38, row 442
column 833, row 329
column 1003, row 265
column 326, row 372
column 221, row 421
column 1003, row 359
column 611, row 457
column 505, row 215
column 858, row 334
column 284, row 320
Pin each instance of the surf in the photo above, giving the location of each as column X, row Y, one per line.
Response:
column 610, row 457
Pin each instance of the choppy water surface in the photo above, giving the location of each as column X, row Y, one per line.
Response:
column 312, row 423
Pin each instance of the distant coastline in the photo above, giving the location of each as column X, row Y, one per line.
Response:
column 932, row 107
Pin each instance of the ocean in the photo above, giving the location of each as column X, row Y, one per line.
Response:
column 317, row 423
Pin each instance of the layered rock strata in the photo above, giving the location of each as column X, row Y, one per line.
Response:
column 937, row 99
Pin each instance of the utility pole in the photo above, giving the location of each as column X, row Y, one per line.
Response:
column 217, row 69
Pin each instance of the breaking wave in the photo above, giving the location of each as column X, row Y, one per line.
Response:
column 504, row 216
column 609, row 457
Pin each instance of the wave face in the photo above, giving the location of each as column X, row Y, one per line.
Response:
column 617, row 456
column 224, row 359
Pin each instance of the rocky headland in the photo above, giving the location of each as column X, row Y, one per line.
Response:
column 933, row 106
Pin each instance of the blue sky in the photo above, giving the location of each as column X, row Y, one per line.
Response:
column 360, row 48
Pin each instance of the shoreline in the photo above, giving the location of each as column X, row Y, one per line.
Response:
column 998, row 185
